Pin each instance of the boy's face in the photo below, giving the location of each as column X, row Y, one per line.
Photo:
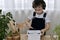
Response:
column 38, row 9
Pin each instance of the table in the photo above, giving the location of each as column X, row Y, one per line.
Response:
column 47, row 37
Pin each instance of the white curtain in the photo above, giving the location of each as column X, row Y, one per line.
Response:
column 23, row 4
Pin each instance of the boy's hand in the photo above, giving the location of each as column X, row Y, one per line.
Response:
column 42, row 32
column 31, row 27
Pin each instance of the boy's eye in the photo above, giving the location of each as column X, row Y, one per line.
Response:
column 39, row 7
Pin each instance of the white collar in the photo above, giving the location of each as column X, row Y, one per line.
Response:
column 40, row 14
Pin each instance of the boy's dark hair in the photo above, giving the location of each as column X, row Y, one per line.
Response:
column 39, row 3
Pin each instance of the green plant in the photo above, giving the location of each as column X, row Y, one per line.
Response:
column 3, row 24
column 57, row 31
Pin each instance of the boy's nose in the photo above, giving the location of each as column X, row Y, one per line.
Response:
column 38, row 9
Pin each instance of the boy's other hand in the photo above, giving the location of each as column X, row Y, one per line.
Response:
column 31, row 27
column 42, row 32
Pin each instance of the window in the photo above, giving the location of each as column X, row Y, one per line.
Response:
column 1, row 4
column 27, row 4
column 23, row 4
column 49, row 5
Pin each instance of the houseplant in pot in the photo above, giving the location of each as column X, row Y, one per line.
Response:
column 2, row 28
column 3, row 24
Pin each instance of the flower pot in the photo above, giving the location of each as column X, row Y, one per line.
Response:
column 16, row 36
column 9, row 38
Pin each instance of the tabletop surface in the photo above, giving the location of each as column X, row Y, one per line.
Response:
column 47, row 37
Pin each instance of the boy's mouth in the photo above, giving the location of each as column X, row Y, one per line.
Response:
column 39, row 12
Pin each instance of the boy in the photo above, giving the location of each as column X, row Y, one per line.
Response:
column 39, row 19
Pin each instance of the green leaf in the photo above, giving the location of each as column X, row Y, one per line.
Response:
column 3, row 24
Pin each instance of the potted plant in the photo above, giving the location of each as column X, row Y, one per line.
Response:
column 3, row 24
column 57, row 31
